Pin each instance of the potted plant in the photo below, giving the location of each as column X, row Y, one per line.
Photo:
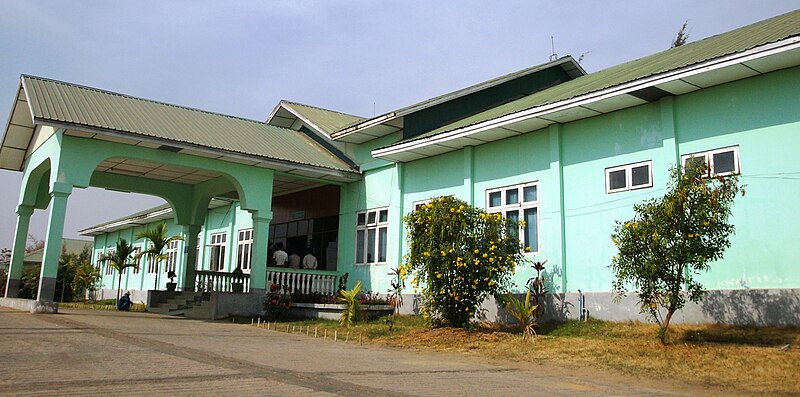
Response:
column 237, row 285
column 171, row 285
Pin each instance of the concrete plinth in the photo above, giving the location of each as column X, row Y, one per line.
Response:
column 30, row 305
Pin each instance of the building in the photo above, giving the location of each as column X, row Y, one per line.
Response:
column 567, row 151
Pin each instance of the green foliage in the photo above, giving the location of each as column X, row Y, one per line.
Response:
column 29, row 283
column 86, row 277
column 528, row 312
column 158, row 241
column 672, row 239
column 460, row 255
column 395, row 295
column 68, row 264
column 120, row 259
column 352, row 305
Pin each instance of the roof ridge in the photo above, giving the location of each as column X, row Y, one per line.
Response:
column 319, row 108
column 103, row 91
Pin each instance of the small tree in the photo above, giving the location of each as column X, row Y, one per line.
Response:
column 121, row 259
column 158, row 239
column 461, row 255
column 86, row 277
column 672, row 239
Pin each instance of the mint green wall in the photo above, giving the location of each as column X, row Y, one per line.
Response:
column 762, row 116
column 379, row 188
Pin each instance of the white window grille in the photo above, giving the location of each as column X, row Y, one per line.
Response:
column 629, row 177
column 245, row 250
column 372, row 227
column 518, row 202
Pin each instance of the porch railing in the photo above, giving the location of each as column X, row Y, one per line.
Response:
column 306, row 281
column 210, row 281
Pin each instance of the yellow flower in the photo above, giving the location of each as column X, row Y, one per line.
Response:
column 477, row 251
column 485, row 255
column 438, row 275
column 452, row 209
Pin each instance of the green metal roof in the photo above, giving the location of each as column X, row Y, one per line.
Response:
column 328, row 120
column 72, row 246
column 73, row 104
column 729, row 43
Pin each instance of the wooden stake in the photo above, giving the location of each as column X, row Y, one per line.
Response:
column 315, row 332
column 292, row 328
column 360, row 339
column 252, row 320
column 308, row 329
column 259, row 323
column 326, row 335
column 347, row 338
column 335, row 333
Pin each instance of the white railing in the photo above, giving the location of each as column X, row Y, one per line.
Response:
column 305, row 281
column 209, row 281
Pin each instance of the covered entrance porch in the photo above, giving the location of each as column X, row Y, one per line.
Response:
column 64, row 136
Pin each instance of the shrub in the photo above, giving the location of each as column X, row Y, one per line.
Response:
column 459, row 255
column 673, row 238
column 352, row 306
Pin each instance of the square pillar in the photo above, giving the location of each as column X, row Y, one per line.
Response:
column 24, row 213
column 52, row 243
column 258, row 264
column 190, row 233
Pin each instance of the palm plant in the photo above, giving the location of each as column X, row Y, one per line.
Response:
column 157, row 237
column 352, row 305
column 524, row 313
column 86, row 277
column 120, row 259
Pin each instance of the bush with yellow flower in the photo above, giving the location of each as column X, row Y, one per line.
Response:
column 458, row 256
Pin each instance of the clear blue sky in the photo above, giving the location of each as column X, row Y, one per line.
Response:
column 357, row 56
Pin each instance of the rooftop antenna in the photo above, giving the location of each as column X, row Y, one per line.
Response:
column 553, row 55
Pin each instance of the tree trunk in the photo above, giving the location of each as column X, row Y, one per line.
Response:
column 665, row 327
column 155, row 287
column 119, row 285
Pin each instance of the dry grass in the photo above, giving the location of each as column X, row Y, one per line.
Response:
column 747, row 359
column 744, row 359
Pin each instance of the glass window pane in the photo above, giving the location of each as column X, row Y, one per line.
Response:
column 371, row 246
column 640, row 175
column 371, row 218
column 384, row 216
column 362, row 218
column 694, row 161
column 531, row 229
column 617, row 180
column 724, row 162
column 512, row 196
column 514, row 217
column 360, row 246
column 382, row 234
column 494, row 199
column 529, row 194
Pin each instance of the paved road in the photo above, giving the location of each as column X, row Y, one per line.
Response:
column 82, row 352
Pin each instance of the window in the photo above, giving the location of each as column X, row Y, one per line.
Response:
column 172, row 256
column 151, row 265
column 109, row 268
column 245, row 250
column 419, row 204
column 198, row 263
column 218, row 251
column 629, row 177
column 136, row 250
column 518, row 202
column 720, row 162
column 372, row 228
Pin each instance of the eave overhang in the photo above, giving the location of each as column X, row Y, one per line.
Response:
column 756, row 61
column 391, row 122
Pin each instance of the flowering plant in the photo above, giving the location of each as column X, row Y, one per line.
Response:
column 458, row 256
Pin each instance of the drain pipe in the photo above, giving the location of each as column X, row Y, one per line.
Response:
column 582, row 310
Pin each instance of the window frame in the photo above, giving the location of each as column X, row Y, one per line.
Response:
column 521, row 205
column 109, row 268
column 172, row 256
column 136, row 250
column 708, row 157
column 219, row 239
column 628, row 168
column 376, row 225
column 244, row 249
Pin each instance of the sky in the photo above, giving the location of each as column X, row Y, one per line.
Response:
column 356, row 56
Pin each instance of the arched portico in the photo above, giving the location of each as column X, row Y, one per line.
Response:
column 133, row 153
